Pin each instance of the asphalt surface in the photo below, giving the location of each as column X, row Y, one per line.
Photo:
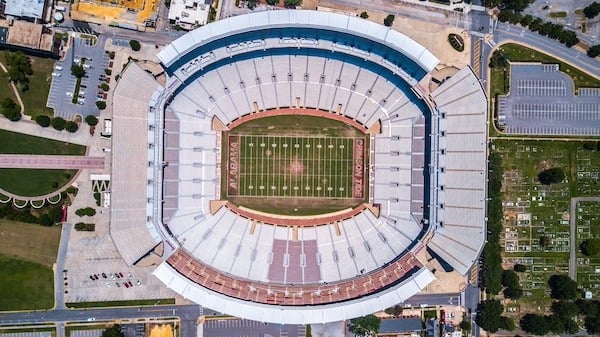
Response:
column 60, row 275
column 188, row 315
column 433, row 300
column 246, row 328
column 542, row 101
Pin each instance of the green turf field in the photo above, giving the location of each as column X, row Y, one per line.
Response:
column 295, row 165
column 288, row 166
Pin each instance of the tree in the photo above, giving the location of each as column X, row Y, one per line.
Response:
column 519, row 268
column 536, row 24
column 488, row 315
column 364, row 15
column 592, row 10
column 587, row 307
column 292, row 3
column 592, row 324
column 526, row 20
column 366, row 326
column 10, row 109
column 251, row 4
column 272, row 2
column 555, row 324
column 551, row 176
column 534, row 324
column 498, row 60
column 565, row 309
column 389, row 20
column 77, row 71
column 465, row 325
column 104, row 87
column 113, row 331
column 562, row 287
column 43, row 120
column 594, row 51
column 571, row 327
column 19, row 67
column 590, row 247
column 505, row 16
column 101, row 105
column 135, row 45
column 71, row 126
column 91, row 120
column 58, row 123
column 510, row 279
column 545, row 241
column 513, row 293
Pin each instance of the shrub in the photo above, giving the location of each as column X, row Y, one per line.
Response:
column 58, row 123
column 88, row 211
column 77, row 71
column 101, row 105
column 107, row 71
column 364, row 15
column 10, row 109
column 519, row 268
column 43, row 120
column 594, row 51
column 97, row 197
column 389, row 20
column 86, row 227
column 104, row 87
column 71, row 126
column 135, row 45
column 91, row 120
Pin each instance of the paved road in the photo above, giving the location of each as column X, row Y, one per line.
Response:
column 188, row 315
column 434, row 299
column 573, row 234
column 50, row 161
column 59, row 275
column 504, row 32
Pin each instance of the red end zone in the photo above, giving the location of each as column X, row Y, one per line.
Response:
column 233, row 166
column 358, row 169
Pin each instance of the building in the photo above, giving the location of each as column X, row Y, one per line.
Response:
column 426, row 187
column 432, row 328
column 189, row 14
column 411, row 326
column 34, row 10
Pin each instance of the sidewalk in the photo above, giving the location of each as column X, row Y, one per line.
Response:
column 81, row 137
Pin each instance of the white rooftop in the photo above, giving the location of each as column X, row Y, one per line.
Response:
column 25, row 8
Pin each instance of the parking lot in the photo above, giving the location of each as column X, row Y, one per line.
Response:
column 63, row 82
column 542, row 102
column 245, row 328
column 26, row 334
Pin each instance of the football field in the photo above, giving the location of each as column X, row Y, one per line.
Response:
column 296, row 166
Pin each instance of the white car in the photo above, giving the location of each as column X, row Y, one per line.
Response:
column 56, row 74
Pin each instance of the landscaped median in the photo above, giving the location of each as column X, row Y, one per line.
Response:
column 131, row 303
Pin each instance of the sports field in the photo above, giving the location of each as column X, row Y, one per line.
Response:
column 306, row 162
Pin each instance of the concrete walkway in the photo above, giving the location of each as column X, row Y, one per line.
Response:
column 573, row 234
column 81, row 137
column 50, row 161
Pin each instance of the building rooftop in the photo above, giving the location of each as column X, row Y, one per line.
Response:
column 25, row 8
column 397, row 325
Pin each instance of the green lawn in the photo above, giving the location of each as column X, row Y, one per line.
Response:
column 25, row 285
column 18, row 143
column 30, row 182
column 5, row 88
column 558, row 15
column 36, row 97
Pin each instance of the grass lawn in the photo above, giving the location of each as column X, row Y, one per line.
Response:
column 558, row 15
column 39, row 86
column 32, row 182
column 163, row 301
column 25, row 285
column 30, row 242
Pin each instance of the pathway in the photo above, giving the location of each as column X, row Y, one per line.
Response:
column 50, row 161
column 81, row 137
column 573, row 237
column 14, row 88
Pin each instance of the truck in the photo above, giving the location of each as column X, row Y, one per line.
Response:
column 60, row 8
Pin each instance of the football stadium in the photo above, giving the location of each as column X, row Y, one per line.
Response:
column 295, row 167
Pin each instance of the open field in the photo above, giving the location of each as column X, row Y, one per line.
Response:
column 25, row 285
column 30, row 242
column 31, row 182
column 303, row 163
column 39, row 86
column 6, row 90
column 533, row 211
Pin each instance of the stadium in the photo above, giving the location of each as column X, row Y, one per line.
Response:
column 295, row 167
